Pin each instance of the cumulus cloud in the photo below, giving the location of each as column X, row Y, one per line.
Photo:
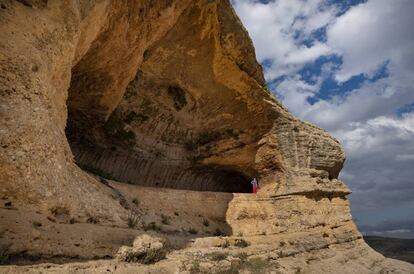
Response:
column 373, row 39
column 373, row 99
column 372, row 33
column 379, row 164
column 278, row 28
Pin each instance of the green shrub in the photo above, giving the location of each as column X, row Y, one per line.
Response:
column 4, row 256
column 149, row 257
column 225, row 244
column 36, row 224
column 59, row 210
column 192, row 231
column 151, row 226
column 92, row 220
column 242, row 256
column 206, row 222
column 195, row 268
column 132, row 220
column 135, row 201
column 165, row 219
column 153, row 256
column 217, row 256
column 218, row 232
column 241, row 243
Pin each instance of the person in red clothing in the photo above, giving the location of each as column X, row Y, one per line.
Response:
column 254, row 185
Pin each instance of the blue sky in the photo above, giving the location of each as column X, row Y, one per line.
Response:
column 348, row 67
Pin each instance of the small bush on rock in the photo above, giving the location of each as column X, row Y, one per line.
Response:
column 218, row 232
column 145, row 249
column 225, row 244
column 36, row 224
column 195, row 268
column 192, row 231
column 241, row 243
column 217, row 256
column 165, row 219
column 206, row 222
column 59, row 210
column 151, row 226
column 132, row 220
column 135, row 201
column 242, row 256
column 4, row 256
column 92, row 220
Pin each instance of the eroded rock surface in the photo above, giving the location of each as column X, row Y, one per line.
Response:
column 167, row 98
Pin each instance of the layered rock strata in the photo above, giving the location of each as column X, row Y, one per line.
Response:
column 164, row 94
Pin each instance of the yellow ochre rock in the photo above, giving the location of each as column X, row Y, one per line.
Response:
column 142, row 119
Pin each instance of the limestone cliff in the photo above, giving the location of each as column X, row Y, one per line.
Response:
column 165, row 103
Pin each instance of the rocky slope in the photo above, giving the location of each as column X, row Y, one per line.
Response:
column 167, row 98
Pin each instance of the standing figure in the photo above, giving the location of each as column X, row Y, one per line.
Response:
column 254, row 185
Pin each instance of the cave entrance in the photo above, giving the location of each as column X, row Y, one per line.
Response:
column 106, row 149
column 123, row 166
column 150, row 135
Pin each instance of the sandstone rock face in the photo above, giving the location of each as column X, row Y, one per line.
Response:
column 168, row 95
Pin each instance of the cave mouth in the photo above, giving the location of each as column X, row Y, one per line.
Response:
column 151, row 136
column 117, row 165
column 110, row 157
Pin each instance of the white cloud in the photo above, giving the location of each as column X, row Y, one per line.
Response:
column 373, row 99
column 388, row 135
column 278, row 28
column 295, row 93
column 370, row 34
column 305, row 54
column 366, row 36
column 378, row 143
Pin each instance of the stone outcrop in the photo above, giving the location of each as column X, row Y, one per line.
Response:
column 167, row 98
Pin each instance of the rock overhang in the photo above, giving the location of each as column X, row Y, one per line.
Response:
column 166, row 86
column 182, row 107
